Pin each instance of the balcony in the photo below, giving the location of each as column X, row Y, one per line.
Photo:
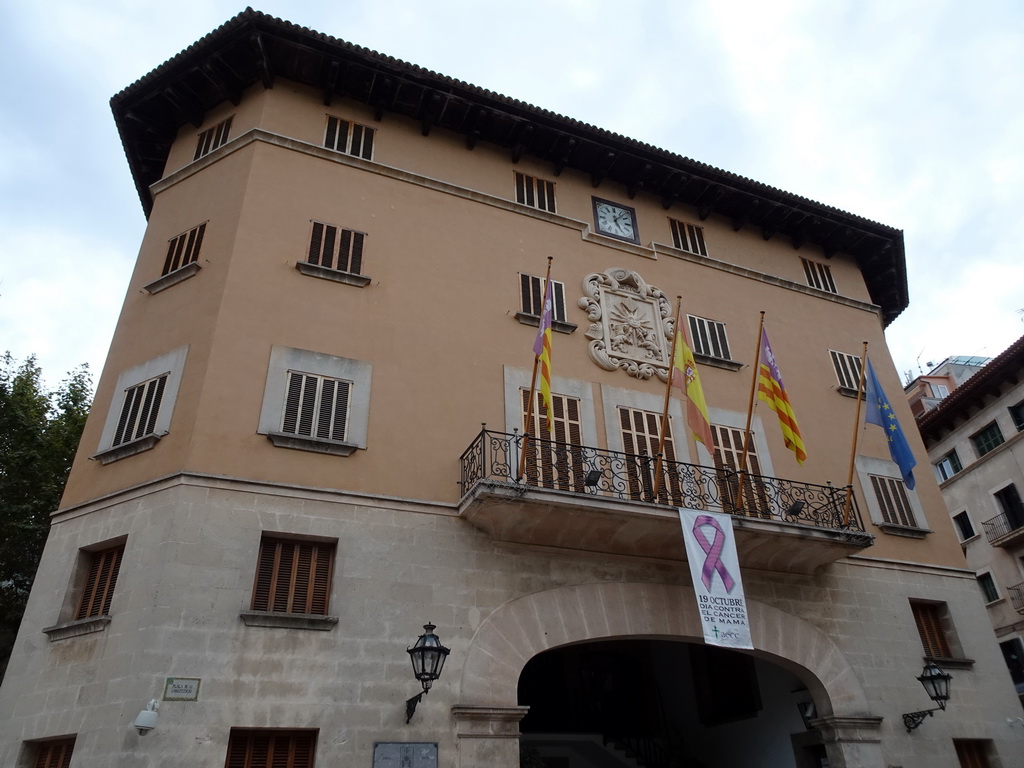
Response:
column 594, row 500
column 1017, row 597
column 1004, row 530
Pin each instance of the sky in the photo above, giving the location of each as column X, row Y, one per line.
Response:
column 906, row 112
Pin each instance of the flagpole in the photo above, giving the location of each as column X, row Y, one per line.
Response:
column 533, row 385
column 668, row 395
column 750, row 412
column 856, row 434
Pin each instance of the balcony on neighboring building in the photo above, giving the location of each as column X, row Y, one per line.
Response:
column 1004, row 530
column 595, row 500
column 1017, row 596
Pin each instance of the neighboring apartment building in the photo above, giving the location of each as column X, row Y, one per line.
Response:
column 975, row 441
column 929, row 389
column 305, row 440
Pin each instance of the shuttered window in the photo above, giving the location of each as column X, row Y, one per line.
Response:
column 293, row 577
column 350, row 138
column 709, row 337
column 140, row 410
column 534, row 192
column 688, row 237
column 531, row 291
column 184, row 249
column 316, row 406
column 893, row 503
column 988, row 438
column 553, row 459
column 728, row 452
column 336, row 248
column 819, row 275
column 971, row 753
column 54, row 754
column 100, row 580
column 270, row 749
column 929, row 620
column 847, row 369
column 640, row 433
column 212, row 138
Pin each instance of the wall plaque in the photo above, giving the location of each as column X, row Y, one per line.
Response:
column 182, row 689
column 412, row 754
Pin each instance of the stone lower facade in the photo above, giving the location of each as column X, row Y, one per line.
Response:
column 186, row 581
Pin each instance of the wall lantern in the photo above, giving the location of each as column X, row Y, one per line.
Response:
column 427, row 655
column 936, row 685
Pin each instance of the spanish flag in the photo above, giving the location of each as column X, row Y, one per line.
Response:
column 542, row 349
column 685, row 378
column 771, row 390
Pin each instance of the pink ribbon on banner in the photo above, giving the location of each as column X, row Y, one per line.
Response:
column 713, row 550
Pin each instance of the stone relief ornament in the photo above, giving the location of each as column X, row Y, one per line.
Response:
column 631, row 323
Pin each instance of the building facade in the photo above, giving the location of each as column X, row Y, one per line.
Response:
column 975, row 442
column 307, row 439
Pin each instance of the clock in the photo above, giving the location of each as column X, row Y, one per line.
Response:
column 614, row 220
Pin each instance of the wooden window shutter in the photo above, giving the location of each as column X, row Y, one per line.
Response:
column 729, row 451
column 140, row 410
column 270, row 749
column 892, row 499
column 100, row 581
column 54, row 754
column 928, row 617
column 971, row 753
column 641, row 431
column 551, row 460
column 293, row 577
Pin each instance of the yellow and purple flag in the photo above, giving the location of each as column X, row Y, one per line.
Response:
column 771, row 390
column 542, row 349
column 685, row 378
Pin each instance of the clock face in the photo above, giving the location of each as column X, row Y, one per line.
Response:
column 615, row 220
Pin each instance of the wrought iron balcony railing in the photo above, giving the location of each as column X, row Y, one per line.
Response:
column 1017, row 597
column 1000, row 526
column 495, row 456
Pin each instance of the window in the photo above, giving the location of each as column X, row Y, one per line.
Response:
column 1013, row 655
column 316, row 402
column 1017, row 415
column 316, row 406
column 532, row 293
column 972, row 753
column 536, row 193
column 270, row 747
column 948, row 466
column 100, row 580
column 988, row 587
column 728, row 453
column 293, row 577
column 55, row 753
column 552, row 460
column 895, row 507
column 212, row 138
column 964, row 526
column 709, row 337
column 140, row 409
column 847, row 369
column 940, row 391
column 350, row 138
column 930, row 619
column 184, row 249
column 141, row 414
column 1010, row 503
column 336, row 248
column 688, row 237
column 988, row 438
column 819, row 275
column 641, row 431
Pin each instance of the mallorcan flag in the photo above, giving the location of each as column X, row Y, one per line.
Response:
column 771, row 390
column 715, row 570
column 542, row 349
column 686, row 379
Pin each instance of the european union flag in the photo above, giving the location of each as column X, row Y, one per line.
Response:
column 880, row 413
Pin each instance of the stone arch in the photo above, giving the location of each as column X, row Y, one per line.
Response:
column 529, row 625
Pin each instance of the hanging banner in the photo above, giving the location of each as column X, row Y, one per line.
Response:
column 715, row 569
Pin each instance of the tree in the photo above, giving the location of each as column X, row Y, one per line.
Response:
column 39, row 433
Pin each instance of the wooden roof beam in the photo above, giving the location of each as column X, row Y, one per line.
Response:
column 521, row 142
column 331, row 81
column 566, row 147
column 433, row 107
column 219, row 80
column 602, row 169
column 262, row 60
column 639, row 181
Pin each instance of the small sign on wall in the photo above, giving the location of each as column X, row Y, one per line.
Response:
column 397, row 754
column 182, row 689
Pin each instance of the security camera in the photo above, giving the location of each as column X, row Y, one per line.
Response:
column 146, row 721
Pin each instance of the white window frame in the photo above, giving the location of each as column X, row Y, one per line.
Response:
column 172, row 364
column 708, row 338
column 535, row 192
column 284, row 360
column 356, row 247
column 688, row 237
column 944, row 467
column 212, row 138
column 517, row 379
column 847, row 369
column 869, row 465
column 357, row 140
column 819, row 276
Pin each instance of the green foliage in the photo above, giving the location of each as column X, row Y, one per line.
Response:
column 39, row 433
